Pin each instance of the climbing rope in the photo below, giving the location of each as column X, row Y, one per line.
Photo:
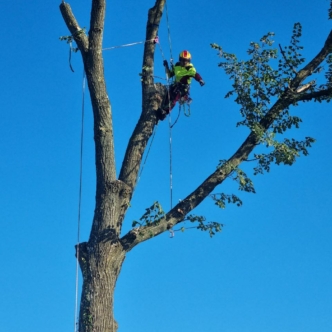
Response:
column 169, row 115
column 169, row 34
column 170, row 161
column 147, row 154
column 176, row 120
column 169, row 118
column 70, row 51
column 79, row 208
column 154, row 40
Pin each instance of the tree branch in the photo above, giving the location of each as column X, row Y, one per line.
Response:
column 315, row 95
column 97, row 26
column 178, row 213
column 80, row 38
column 313, row 64
column 152, row 95
column 103, row 126
column 284, row 55
column 105, row 216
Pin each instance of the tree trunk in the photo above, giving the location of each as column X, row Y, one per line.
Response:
column 100, row 265
column 102, row 256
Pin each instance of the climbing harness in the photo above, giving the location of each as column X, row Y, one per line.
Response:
column 185, row 106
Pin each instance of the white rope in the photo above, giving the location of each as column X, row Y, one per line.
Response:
column 79, row 210
column 169, row 33
column 155, row 40
column 170, row 161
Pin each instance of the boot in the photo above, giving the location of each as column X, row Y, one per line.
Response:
column 161, row 114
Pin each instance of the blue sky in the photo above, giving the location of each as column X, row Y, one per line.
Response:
column 270, row 268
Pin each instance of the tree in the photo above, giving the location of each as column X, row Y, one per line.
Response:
column 264, row 95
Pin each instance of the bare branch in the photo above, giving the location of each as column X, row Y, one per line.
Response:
column 320, row 94
column 152, row 98
column 80, row 38
column 105, row 216
column 152, row 28
column 305, row 87
column 97, row 25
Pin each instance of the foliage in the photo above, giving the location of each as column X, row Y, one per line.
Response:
column 284, row 153
column 245, row 183
column 152, row 215
column 328, row 74
column 257, row 84
column 221, row 200
column 292, row 57
column 70, row 39
column 212, row 227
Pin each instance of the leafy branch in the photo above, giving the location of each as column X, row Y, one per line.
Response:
column 283, row 153
column 222, row 199
column 245, row 183
column 212, row 227
column 152, row 215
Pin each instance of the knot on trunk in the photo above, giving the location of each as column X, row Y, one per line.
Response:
column 115, row 186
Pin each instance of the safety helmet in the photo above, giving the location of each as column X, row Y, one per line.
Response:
column 185, row 55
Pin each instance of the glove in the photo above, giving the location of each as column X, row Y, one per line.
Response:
column 201, row 82
column 165, row 63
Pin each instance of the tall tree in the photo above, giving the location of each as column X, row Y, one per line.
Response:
column 264, row 95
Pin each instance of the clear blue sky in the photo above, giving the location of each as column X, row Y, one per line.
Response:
column 270, row 268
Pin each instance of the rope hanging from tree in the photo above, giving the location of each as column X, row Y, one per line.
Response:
column 79, row 207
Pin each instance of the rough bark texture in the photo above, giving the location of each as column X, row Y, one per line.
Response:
column 102, row 256
column 100, row 265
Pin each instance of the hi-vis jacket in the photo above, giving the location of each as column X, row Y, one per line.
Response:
column 185, row 74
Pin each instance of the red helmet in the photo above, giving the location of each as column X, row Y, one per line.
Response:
column 185, row 55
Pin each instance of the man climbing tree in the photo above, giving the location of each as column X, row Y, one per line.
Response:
column 184, row 72
column 264, row 95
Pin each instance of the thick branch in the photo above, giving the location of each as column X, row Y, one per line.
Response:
column 97, row 25
column 326, row 93
column 152, row 27
column 178, row 213
column 105, row 214
column 80, row 38
column 313, row 64
column 103, row 126
column 152, row 95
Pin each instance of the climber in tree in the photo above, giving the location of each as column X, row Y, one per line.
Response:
column 183, row 71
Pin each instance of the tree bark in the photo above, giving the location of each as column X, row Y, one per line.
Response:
column 100, row 265
column 102, row 256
